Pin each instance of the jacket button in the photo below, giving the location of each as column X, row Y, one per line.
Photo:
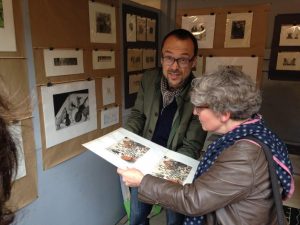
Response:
column 150, row 131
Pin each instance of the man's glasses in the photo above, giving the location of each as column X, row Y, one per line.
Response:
column 182, row 62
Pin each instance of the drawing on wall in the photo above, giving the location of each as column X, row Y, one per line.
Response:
column 108, row 90
column 69, row 111
column 16, row 132
column 288, row 61
column 103, row 59
column 63, row 62
column 109, row 117
column 128, row 150
column 149, row 58
column 131, row 27
column 151, row 25
column 172, row 170
column 102, row 23
column 290, row 35
column 202, row 27
column 141, row 28
column 199, row 66
column 238, row 30
column 134, row 59
column 134, row 82
column 246, row 64
column 7, row 27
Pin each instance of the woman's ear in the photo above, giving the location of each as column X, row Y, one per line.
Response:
column 225, row 117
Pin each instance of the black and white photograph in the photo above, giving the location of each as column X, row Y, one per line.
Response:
column 288, row 61
column 130, row 27
column 134, row 59
column 63, row 62
column 238, row 30
column 202, row 27
column 141, row 28
column 246, row 64
column 103, row 59
column 69, row 110
column 7, row 27
column 290, row 35
column 102, row 23
column 151, row 29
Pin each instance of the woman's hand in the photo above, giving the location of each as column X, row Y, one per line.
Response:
column 131, row 177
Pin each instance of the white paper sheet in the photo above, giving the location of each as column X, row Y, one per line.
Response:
column 109, row 117
column 108, row 90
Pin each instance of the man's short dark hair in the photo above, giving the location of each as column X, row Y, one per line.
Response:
column 182, row 34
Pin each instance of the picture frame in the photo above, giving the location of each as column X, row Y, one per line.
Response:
column 109, row 116
column 149, row 58
column 134, row 60
column 141, row 28
column 151, row 29
column 134, row 82
column 59, row 62
column 103, row 59
column 246, row 64
column 202, row 27
column 108, row 90
column 238, row 30
column 69, row 110
column 284, row 57
column 102, row 23
column 130, row 27
column 7, row 27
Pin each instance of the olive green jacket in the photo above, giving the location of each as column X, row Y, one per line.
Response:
column 186, row 135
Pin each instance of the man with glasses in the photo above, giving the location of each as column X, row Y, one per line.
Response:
column 163, row 112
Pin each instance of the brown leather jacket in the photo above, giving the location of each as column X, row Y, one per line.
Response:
column 236, row 190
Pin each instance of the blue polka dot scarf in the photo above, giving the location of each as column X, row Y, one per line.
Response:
column 257, row 129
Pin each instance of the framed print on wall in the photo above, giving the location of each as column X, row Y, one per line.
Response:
column 102, row 23
column 246, row 64
column 130, row 27
column 238, row 30
column 141, row 28
column 108, row 90
column 149, row 58
column 7, row 27
column 103, row 59
column 202, row 27
column 69, row 111
column 63, row 62
column 109, row 117
column 134, row 59
column 151, row 25
column 285, row 51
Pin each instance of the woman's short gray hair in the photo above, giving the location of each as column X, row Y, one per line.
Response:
column 227, row 90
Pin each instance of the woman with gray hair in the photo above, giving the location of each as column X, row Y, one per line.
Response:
column 232, row 183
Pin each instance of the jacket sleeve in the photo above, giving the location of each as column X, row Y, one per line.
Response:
column 229, row 180
column 193, row 140
column 136, row 120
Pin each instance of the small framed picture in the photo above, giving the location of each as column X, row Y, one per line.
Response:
column 151, row 29
column 202, row 27
column 141, row 28
column 134, row 82
column 134, row 59
column 238, row 30
column 130, row 27
column 290, row 35
column 7, row 27
column 63, row 62
column 108, row 90
column 246, row 64
column 149, row 58
column 288, row 61
column 102, row 23
column 103, row 59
